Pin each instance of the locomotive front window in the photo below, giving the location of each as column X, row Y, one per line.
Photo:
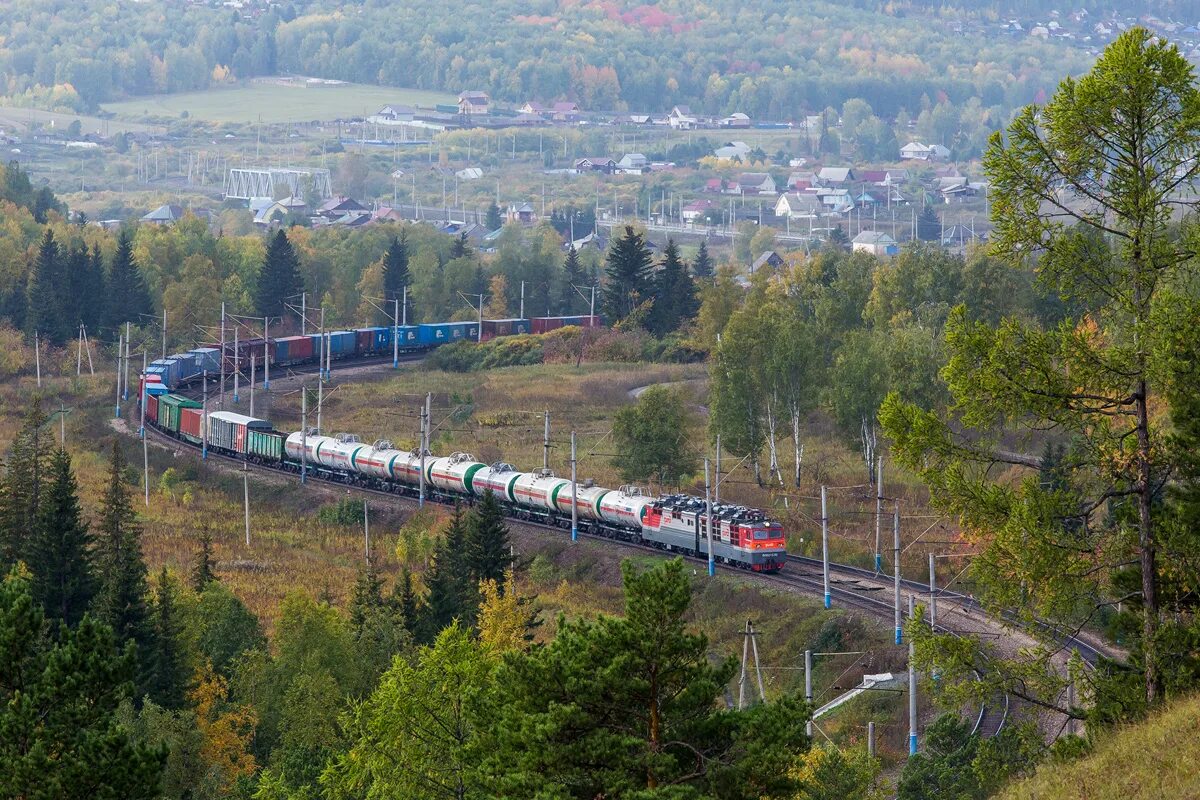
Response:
column 762, row 533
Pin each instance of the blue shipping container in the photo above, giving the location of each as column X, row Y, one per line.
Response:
column 187, row 366
column 170, row 371
column 342, row 344
column 206, row 359
column 409, row 335
column 460, row 331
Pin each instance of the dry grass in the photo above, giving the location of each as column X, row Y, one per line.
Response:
column 1152, row 760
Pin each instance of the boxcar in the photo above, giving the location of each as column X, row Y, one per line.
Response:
column 152, row 409
column 373, row 340
column 264, row 445
column 547, row 324
column 169, row 408
column 228, row 431
column 504, row 327
column 438, row 333
column 191, row 420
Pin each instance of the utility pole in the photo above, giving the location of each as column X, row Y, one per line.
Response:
column 395, row 333
column 203, row 414
column 878, row 510
column 303, row 433
column 88, row 346
column 126, row 394
column 303, row 313
column 222, row 400
column 712, row 565
column 145, row 448
column 266, row 354
column 79, row 354
column 253, row 356
column 825, row 547
column 320, row 398
column 522, row 314
column 404, row 312
column 237, row 367
column 120, row 339
column 574, row 493
column 321, row 347
column 246, row 500
column 37, row 360
column 932, row 592
column 912, row 688
column 546, row 441
column 164, row 334
column 717, row 471
column 896, row 566
column 808, row 695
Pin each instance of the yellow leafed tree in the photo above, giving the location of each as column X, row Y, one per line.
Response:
column 227, row 730
column 501, row 618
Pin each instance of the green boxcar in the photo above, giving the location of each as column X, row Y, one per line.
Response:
column 168, row 410
column 266, row 445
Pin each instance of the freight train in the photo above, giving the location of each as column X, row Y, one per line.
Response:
column 171, row 373
column 742, row 537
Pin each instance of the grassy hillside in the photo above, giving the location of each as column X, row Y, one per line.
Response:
column 1156, row 759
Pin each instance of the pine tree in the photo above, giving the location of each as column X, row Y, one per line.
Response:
column 367, row 598
column 451, row 595
column 128, row 297
column 395, row 268
column 60, row 558
column 168, row 683
column 460, row 248
column 702, row 267
column 279, row 277
column 405, row 601
column 21, row 488
column 572, row 276
column 486, row 547
column 628, row 275
column 123, row 590
column 202, row 564
column 675, row 293
column 493, row 222
column 47, row 313
column 929, row 226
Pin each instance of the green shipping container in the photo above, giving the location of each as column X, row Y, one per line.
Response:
column 267, row 445
column 168, row 410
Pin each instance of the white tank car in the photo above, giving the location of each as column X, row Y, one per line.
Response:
column 407, row 468
column 587, row 500
column 539, row 489
column 295, row 443
column 376, row 461
column 341, row 453
column 500, row 478
column 455, row 472
column 625, row 507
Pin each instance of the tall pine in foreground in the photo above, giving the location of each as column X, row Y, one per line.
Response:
column 59, row 697
column 627, row 269
column 279, row 277
column 167, row 661
column 487, row 550
column 395, row 268
column 128, row 297
column 48, row 313
column 572, row 276
column 61, row 557
column 451, row 593
column 702, row 267
column 675, row 293
column 121, row 603
column 21, row 487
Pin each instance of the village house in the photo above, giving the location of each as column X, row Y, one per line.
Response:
column 473, row 103
column 756, row 183
column 633, row 163
column 835, row 176
column 877, row 243
column 915, row 151
column 681, row 118
column 337, row 208
column 469, row 174
column 522, row 213
column 393, row 114
column 733, row 151
column 735, row 120
column 596, row 164
column 797, row 205
column 697, row 211
column 769, row 259
column 164, row 215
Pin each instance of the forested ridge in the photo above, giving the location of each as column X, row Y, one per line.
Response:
column 767, row 58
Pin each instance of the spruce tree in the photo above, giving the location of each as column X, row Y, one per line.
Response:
column 76, row 298
column 493, row 222
column 128, row 297
column 486, row 547
column 627, row 271
column 21, row 487
column 121, row 603
column 460, row 248
column 929, row 226
column 279, row 277
column 202, row 564
column 61, row 558
column 367, row 598
column 168, row 682
column 451, row 595
column 572, row 276
column 94, row 287
column 47, row 313
column 395, row 268
column 702, row 267
column 675, row 293
column 405, row 601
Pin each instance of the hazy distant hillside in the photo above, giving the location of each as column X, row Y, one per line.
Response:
column 768, row 58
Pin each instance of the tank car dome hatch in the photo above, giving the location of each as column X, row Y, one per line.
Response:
column 346, row 438
column 382, row 444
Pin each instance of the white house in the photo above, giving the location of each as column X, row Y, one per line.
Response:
column 914, row 151
column 473, row 103
column 469, row 174
column 798, row 205
column 735, row 120
column 731, row 151
column 696, row 210
column 633, row 163
column 877, row 243
column 681, row 118
column 756, row 183
column 835, row 176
